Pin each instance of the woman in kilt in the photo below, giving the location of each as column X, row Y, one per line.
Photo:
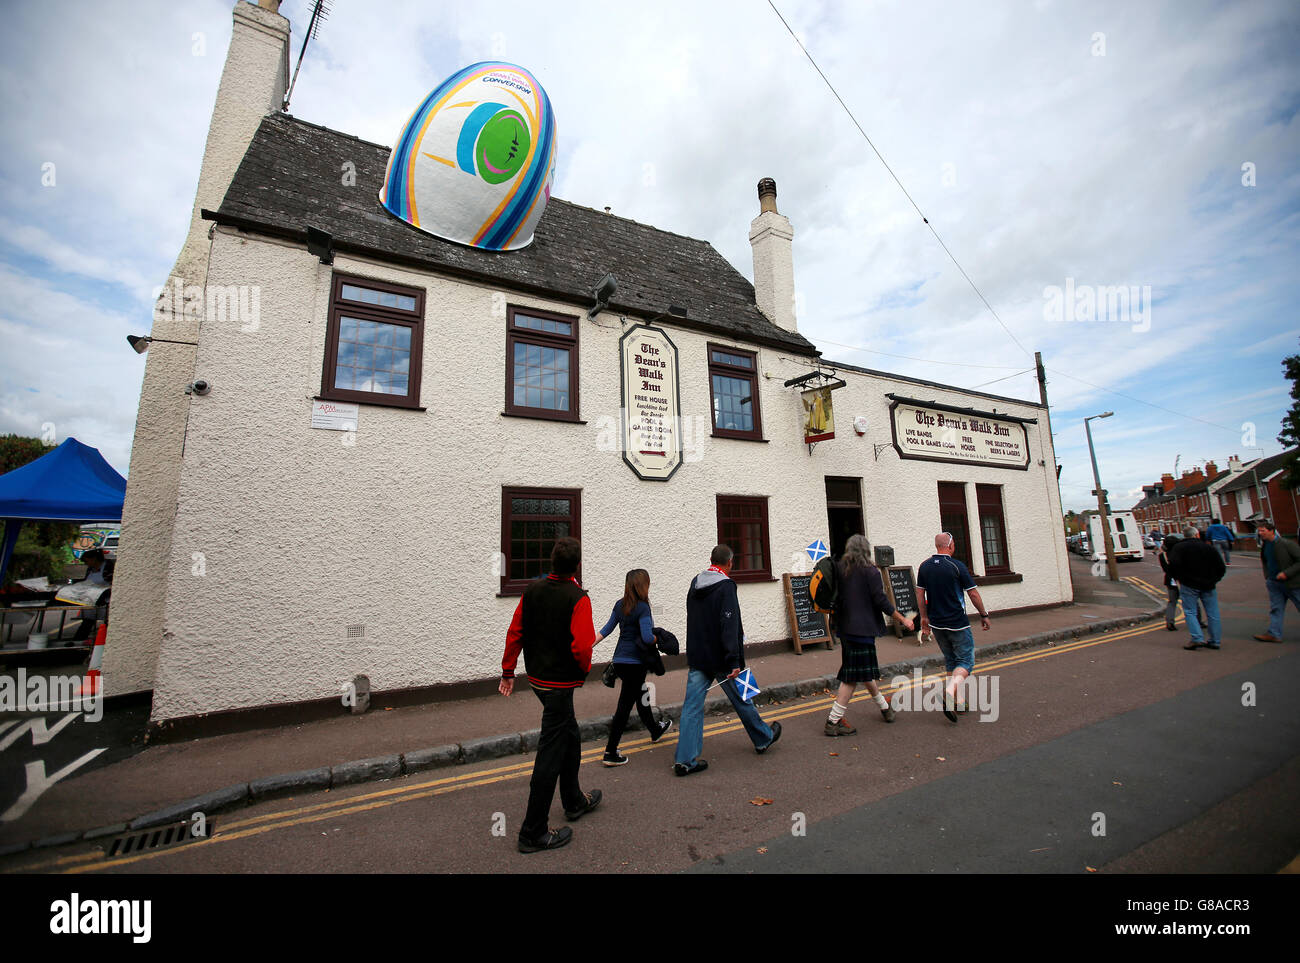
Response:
column 860, row 613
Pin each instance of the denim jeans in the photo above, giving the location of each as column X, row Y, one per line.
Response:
column 1210, row 600
column 691, row 740
column 1171, row 609
column 559, row 753
column 1278, row 594
column 957, row 646
column 1224, row 550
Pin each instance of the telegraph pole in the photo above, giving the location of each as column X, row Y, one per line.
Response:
column 1103, row 509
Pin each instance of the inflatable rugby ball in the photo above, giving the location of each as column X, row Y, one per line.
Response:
column 475, row 162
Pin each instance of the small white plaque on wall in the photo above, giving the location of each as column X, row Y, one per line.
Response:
column 334, row 415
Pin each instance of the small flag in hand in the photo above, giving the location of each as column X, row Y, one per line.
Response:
column 746, row 684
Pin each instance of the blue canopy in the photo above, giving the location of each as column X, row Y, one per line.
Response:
column 72, row 483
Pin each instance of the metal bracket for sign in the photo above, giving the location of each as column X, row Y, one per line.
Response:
column 877, row 449
column 822, row 379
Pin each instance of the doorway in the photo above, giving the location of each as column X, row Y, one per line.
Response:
column 843, row 511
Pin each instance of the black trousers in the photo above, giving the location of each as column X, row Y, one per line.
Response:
column 559, row 753
column 629, row 695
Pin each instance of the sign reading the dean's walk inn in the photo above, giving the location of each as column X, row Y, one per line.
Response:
column 936, row 433
column 651, row 416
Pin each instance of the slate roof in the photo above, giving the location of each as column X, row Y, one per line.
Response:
column 292, row 177
column 1257, row 473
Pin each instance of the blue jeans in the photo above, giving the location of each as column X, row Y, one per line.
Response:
column 691, row 740
column 1278, row 594
column 1210, row 600
column 957, row 646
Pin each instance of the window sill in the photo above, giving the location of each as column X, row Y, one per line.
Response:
column 1006, row 579
column 741, row 579
column 764, row 441
column 373, row 404
column 567, row 421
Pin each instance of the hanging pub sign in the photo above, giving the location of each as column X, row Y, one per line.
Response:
column 818, row 415
column 935, row 432
column 651, row 403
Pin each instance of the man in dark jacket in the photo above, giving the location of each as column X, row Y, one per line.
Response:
column 1197, row 567
column 715, row 649
column 553, row 629
column 1280, row 558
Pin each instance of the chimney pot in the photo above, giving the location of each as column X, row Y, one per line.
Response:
column 767, row 195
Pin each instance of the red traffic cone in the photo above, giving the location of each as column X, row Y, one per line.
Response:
column 91, row 685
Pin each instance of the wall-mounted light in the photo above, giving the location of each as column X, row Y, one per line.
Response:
column 141, row 345
column 321, row 244
column 602, row 292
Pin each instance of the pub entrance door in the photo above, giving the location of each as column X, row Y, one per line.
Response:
column 843, row 511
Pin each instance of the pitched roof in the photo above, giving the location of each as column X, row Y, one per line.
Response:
column 1258, row 472
column 292, row 177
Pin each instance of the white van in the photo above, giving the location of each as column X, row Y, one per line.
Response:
column 1124, row 534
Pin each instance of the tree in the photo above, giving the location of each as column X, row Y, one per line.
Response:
column 1290, row 436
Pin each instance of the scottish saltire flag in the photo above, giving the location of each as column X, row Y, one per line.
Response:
column 746, row 684
column 817, row 551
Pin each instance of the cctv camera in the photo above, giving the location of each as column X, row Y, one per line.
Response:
column 200, row 387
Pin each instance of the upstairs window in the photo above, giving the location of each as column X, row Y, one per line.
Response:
column 541, row 364
column 733, row 393
column 373, row 343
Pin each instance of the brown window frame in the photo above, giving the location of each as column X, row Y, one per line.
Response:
column 372, row 312
column 511, row 586
column 989, row 501
column 962, row 545
column 747, row 575
column 545, row 339
column 734, row 371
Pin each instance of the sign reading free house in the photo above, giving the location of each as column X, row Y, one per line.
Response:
column 651, row 415
column 936, row 433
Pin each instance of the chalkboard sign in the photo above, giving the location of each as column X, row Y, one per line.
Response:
column 901, row 586
column 807, row 625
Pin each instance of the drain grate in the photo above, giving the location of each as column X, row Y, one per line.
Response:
column 160, row 837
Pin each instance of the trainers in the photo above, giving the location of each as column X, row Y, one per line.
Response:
column 949, row 707
column 840, row 728
column 776, row 734
column 1193, row 646
column 681, row 769
column 888, row 713
column 590, row 802
column 668, row 724
column 614, row 759
column 552, row 839
column 1266, row 637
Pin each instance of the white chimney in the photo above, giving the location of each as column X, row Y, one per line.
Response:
column 1234, row 464
column 253, row 84
column 772, row 238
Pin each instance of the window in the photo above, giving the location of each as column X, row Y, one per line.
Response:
column 374, row 343
column 742, row 526
column 531, row 521
column 952, row 518
column 541, row 364
column 733, row 390
column 993, row 530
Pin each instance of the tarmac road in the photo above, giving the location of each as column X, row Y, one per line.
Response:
column 1129, row 725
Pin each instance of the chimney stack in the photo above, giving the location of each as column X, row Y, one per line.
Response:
column 1211, row 469
column 1167, row 481
column 772, row 239
column 1234, row 464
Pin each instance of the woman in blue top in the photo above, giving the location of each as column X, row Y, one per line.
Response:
column 636, row 645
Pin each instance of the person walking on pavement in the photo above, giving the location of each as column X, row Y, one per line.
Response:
column 1280, row 558
column 553, row 629
column 942, row 581
column 715, row 650
column 1171, row 585
column 1221, row 537
column 1198, row 568
column 860, row 611
column 632, row 659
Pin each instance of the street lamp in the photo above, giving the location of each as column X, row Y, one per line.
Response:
column 141, row 345
column 1111, row 571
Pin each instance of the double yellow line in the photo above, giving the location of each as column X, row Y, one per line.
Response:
column 332, row 809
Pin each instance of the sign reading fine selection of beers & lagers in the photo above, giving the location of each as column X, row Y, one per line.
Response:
column 935, row 432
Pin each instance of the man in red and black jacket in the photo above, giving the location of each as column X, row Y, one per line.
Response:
column 554, row 630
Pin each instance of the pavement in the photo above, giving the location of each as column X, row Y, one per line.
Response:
column 131, row 785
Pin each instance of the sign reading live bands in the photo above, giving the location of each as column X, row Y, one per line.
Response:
column 651, row 416
column 936, row 434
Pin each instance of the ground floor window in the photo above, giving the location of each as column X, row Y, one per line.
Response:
column 953, row 519
column 742, row 525
column 993, row 530
column 532, row 519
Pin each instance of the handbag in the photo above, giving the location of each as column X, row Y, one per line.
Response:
column 609, row 678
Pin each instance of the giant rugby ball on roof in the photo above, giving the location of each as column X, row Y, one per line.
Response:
column 475, row 162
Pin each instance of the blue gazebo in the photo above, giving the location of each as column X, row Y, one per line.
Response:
column 72, row 483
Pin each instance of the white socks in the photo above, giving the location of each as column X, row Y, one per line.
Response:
column 881, row 701
column 837, row 713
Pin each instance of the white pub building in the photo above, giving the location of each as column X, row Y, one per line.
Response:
column 357, row 441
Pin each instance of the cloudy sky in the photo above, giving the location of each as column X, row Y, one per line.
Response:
column 1054, row 146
